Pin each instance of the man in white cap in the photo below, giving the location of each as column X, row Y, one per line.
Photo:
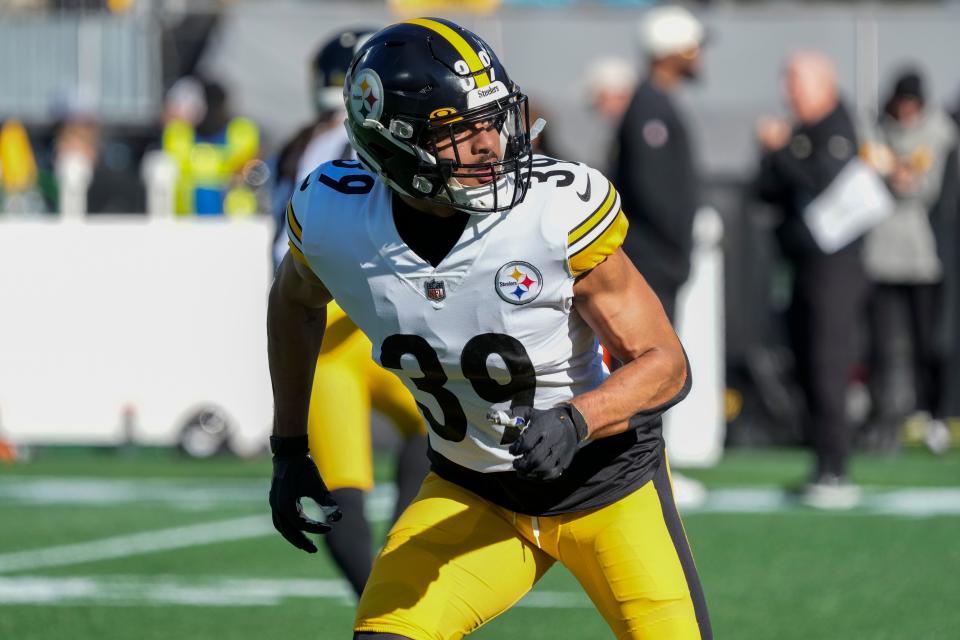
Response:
column 654, row 167
column 610, row 83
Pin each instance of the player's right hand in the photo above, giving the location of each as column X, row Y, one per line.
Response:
column 295, row 476
column 548, row 442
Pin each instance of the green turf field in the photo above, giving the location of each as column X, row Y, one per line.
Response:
column 103, row 546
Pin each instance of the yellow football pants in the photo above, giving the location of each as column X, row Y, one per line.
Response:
column 346, row 386
column 454, row 561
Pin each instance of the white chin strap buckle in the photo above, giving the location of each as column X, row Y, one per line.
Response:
column 422, row 185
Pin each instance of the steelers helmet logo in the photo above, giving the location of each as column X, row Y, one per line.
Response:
column 366, row 95
column 442, row 112
column 518, row 282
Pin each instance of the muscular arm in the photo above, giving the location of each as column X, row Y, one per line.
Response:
column 296, row 318
column 619, row 306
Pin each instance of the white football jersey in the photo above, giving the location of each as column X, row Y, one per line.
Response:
column 492, row 325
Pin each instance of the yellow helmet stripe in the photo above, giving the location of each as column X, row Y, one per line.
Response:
column 462, row 46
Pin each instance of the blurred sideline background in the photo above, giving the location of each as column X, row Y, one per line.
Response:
column 137, row 157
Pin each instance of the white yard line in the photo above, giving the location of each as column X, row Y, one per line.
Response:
column 106, row 492
column 231, row 592
column 209, row 591
column 138, row 543
column 191, row 495
column 223, row 591
column 904, row 503
column 198, row 495
column 907, row 502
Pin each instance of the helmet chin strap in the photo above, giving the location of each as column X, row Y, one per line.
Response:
column 484, row 198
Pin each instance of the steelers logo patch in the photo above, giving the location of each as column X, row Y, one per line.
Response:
column 442, row 112
column 518, row 282
column 366, row 95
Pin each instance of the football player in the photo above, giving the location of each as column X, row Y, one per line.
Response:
column 484, row 276
column 347, row 383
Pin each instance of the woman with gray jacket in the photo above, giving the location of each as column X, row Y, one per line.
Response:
column 913, row 144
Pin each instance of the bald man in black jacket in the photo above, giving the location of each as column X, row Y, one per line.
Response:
column 830, row 289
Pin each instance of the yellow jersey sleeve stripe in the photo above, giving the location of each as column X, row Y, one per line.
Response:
column 293, row 223
column 599, row 226
column 587, row 224
column 605, row 244
column 462, row 46
column 297, row 254
column 292, row 238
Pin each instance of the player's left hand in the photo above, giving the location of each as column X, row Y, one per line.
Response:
column 547, row 444
column 295, row 476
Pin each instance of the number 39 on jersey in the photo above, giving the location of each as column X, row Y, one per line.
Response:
column 493, row 325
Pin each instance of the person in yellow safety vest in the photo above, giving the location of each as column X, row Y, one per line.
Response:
column 18, row 171
column 210, row 158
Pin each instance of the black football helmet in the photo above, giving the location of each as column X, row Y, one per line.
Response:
column 421, row 82
column 329, row 67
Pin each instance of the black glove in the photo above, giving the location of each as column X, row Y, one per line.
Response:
column 547, row 444
column 295, row 476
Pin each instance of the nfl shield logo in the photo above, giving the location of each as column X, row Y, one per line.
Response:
column 435, row 290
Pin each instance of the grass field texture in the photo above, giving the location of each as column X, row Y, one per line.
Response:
column 95, row 545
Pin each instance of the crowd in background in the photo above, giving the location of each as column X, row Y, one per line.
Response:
column 869, row 305
column 866, row 225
